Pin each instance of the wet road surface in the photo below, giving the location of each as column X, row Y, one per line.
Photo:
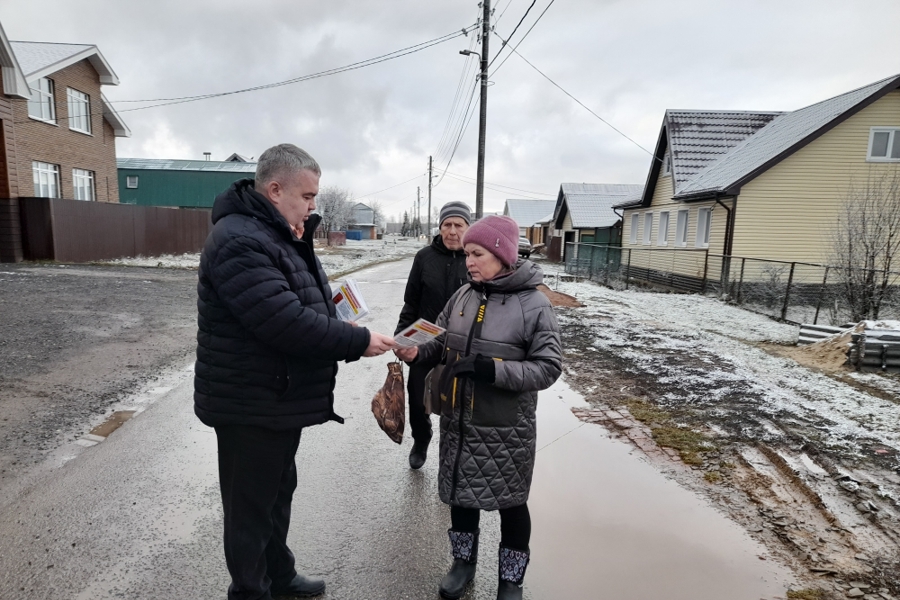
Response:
column 138, row 516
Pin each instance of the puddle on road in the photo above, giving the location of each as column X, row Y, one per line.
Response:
column 609, row 524
column 113, row 422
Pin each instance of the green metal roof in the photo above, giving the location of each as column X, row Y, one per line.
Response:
column 163, row 164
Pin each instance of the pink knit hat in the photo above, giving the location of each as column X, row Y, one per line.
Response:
column 497, row 235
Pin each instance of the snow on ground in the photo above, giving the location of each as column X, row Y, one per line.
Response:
column 335, row 260
column 647, row 327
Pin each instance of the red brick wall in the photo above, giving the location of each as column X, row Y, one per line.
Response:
column 59, row 145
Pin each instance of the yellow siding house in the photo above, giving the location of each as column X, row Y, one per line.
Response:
column 764, row 185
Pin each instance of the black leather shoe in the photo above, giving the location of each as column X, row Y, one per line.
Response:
column 454, row 583
column 418, row 454
column 300, row 587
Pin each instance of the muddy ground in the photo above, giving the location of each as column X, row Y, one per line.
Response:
column 74, row 340
column 823, row 501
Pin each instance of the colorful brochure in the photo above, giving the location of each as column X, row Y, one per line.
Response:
column 348, row 301
column 418, row 333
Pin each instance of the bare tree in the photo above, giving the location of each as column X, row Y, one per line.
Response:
column 866, row 243
column 333, row 203
column 378, row 213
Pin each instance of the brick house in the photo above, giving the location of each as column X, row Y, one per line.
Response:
column 57, row 130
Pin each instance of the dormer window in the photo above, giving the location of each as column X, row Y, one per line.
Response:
column 667, row 164
column 41, row 105
column 884, row 144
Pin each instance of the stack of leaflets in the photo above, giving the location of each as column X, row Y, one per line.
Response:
column 348, row 301
column 418, row 333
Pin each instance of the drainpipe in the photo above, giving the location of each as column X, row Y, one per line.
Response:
column 729, row 238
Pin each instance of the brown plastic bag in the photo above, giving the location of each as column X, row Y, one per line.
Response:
column 389, row 403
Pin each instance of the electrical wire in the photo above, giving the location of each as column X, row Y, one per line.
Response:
column 497, row 20
column 450, row 125
column 538, row 20
column 468, row 119
column 505, row 186
column 580, row 103
column 350, row 67
column 515, row 29
column 387, row 188
column 491, row 187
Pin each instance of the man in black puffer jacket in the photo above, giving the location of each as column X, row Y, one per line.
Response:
column 267, row 351
column 437, row 272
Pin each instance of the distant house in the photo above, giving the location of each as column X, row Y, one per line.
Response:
column 179, row 183
column 526, row 213
column 57, row 130
column 583, row 213
column 764, row 185
column 238, row 158
column 364, row 219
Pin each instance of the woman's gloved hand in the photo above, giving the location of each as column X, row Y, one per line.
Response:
column 475, row 367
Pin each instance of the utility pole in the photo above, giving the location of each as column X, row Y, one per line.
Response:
column 430, row 165
column 482, row 125
column 418, row 209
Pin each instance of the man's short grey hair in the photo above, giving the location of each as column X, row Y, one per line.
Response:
column 282, row 161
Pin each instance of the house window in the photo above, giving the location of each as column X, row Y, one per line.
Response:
column 667, row 164
column 884, row 144
column 79, row 111
column 704, row 216
column 635, row 223
column 648, row 227
column 83, row 182
column 681, row 229
column 46, row 180
column 41, row 105
column 131, row 182
column 662, row 236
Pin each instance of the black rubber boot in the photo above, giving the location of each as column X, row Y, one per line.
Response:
column 512, row 567
column 419, row 453
column 464, row 547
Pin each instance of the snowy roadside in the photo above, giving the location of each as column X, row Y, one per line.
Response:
column 336, row 260
column 806, row 460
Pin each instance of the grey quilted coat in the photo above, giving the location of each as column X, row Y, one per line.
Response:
column 488, row 431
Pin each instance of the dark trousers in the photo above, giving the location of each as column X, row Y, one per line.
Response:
column 515, row 524
column 419, row 422
column 258, row 477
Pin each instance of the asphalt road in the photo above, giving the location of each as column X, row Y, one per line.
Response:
column 138, row 516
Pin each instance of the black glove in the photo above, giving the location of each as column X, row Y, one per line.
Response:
column 475, row 367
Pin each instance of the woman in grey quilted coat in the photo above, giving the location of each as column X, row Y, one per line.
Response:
column 501, row 347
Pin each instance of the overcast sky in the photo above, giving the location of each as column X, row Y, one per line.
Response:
column 372, row 128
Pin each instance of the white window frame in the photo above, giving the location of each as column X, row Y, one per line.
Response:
column 79, row 111
column 681, row 228
column 635, row 223
column 893, row 144
column 83, row 185
column 662, row 233
column 704, row 223
column 131, row 182
column 46, row 177
column 42, row 104
column 648, row 228
column 666, row 164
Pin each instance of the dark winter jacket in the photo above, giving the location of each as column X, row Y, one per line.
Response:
column 488, row 430
column 268, row 340
column 436, row 273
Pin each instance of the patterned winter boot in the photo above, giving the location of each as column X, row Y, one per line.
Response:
column 512, row 573
column 464, row 547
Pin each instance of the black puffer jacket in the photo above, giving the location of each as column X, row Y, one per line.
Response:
column 437, row 272
column 268, row 339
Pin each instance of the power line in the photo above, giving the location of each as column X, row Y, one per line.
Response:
column 497, row 20
column 351, row 67
column 387, row 188
column 580, row 103
column 515, row 29
column 491, row 187
column 538, row 20
column 504, row 186
column 467, row 118
column 450, row 125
